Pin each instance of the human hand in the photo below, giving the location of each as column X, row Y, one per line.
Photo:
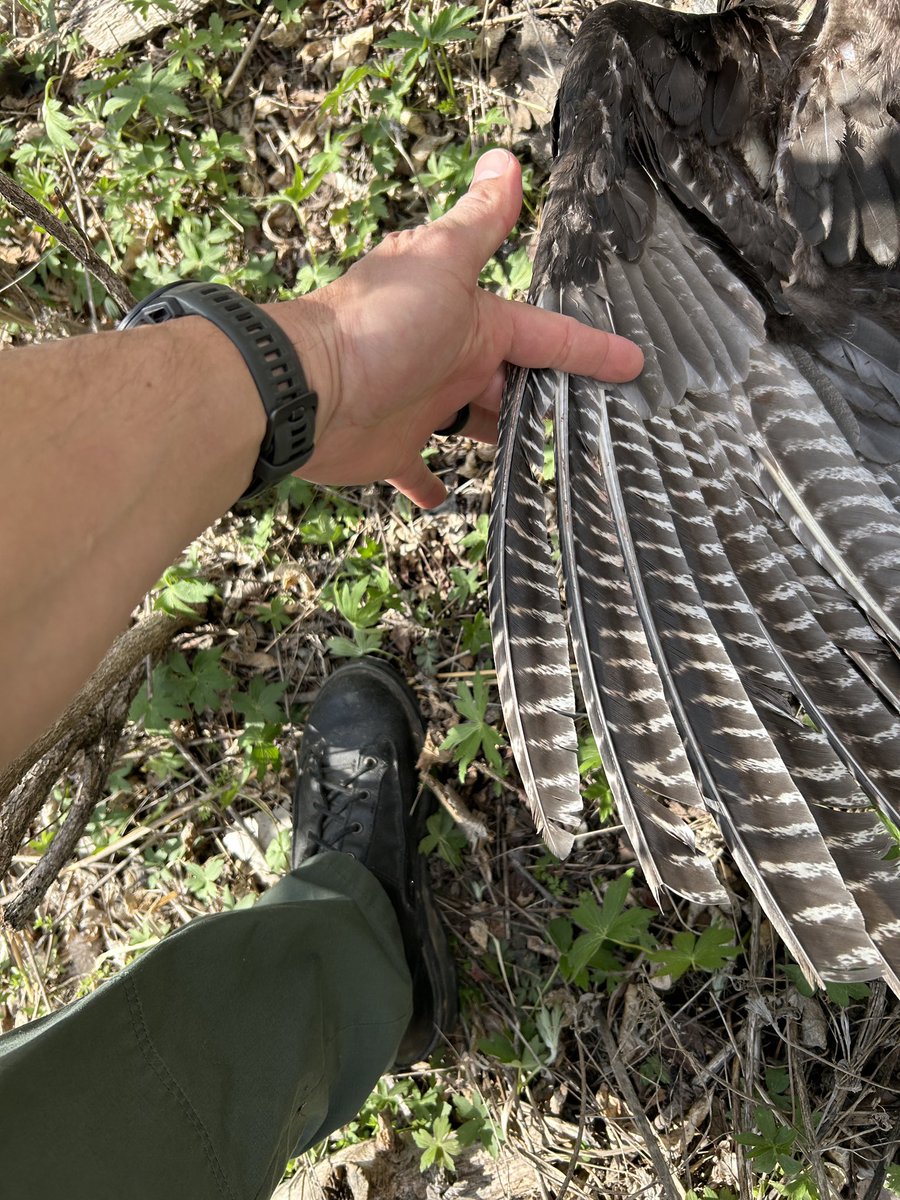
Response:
column 407, row 338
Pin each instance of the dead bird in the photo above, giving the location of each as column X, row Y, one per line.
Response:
column 726, row 192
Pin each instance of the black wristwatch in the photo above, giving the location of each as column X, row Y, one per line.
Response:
column 271, row 359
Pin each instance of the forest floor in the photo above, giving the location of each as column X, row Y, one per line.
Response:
column 604, row 1048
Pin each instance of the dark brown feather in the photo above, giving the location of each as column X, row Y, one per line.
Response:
column 726, row 193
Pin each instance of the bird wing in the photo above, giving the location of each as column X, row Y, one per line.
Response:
column 728, row 524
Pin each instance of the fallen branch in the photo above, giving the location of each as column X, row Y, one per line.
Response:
column 73, row 240
column 97, row 711
column 667, row 1181
column 98, row 762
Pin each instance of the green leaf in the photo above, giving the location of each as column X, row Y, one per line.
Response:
column 365, row 641
column 166, row 700
column 358, row 603
column 476, row 634
column 476, row 541
column 560, row 932
column 146, row 90
column 439, row 1144
column 444, row 837
column 278, row 852
column 611, row 922
column 708, row 952
column 182, row 590
column 477, row 1125
column 473, row 735
column 770, row 1148
column 201, row 878
column 209, row 681
column 498, row 1046
column 56, row 123
column 844, row 994
column 261, row 703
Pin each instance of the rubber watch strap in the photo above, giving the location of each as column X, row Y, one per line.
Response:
column 271, row 359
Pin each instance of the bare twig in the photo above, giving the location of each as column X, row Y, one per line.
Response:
column 24, row 784
column 38, row 880
column 875, row 1188
column 26, row 204
column 268, row 20
column 79, row 226
column 667, row 1180
column 582, row 1116
column 473, row 827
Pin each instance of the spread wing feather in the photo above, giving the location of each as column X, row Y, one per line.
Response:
column 641, row 747
column 530, row 645
column 729, row 528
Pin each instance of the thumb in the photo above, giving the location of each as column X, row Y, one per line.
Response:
column 479, row 222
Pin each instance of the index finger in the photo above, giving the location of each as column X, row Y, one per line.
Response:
column 534, row 337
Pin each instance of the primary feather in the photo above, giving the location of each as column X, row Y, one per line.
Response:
column 726, row 193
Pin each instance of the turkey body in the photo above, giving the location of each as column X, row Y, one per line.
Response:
column 726, row 192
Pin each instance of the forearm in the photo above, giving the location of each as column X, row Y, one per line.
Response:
column 117, row 450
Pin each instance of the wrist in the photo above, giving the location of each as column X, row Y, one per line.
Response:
column 269, row 356
column 218, row 422
column 312, row 326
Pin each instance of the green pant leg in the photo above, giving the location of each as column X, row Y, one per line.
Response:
column 199, row 1069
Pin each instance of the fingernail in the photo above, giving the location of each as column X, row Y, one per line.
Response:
column 491, row 165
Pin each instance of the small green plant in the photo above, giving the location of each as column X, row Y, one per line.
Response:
column 473, row 735
column 521, row 1049
column 772, row 1150
column 439, row 1144
column 607, row 925
column 262, row 708
column 156, row 93
column 841, row 994
column 202, row 878
column 476, row 1124
column 444, row 838
column 709, row 951
column 440, row 1123
column 199, row 51
column 427, row 39
column 362, row 602
column 466, row 586
column 475, row 541
column 182, row 589
column 179, row 689
column 476, row 635
column 893, row 854
column 595, row 786
column 278, row 852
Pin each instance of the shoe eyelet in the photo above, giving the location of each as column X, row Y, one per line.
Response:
column 370, row 762
column 363, row 795
column 356, row 827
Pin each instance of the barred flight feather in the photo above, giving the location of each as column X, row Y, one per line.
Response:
column 530, row 644
column 729, row 522
column 642, row 751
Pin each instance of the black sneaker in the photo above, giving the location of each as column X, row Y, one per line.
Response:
column 355, row 792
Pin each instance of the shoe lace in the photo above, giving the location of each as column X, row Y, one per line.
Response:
column 339, row 792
